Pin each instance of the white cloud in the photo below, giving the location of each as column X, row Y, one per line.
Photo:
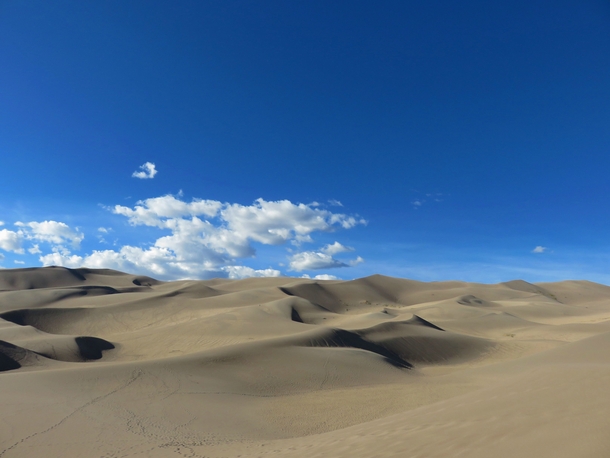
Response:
column 156, row 211
column 314, row 260
column 206, row 237
column 335, row 203
column 355, row 262
column 11, row 241
column 539, row 249
column 273, row 223
column 35, row 249
column 61, row 259
column 104, row 230
column 147, row 171
column 53, row 232
column 230, row 229
column 336, row 248
column 1, row 223
column 321, row 277
column 18, row 262
column 246, row 272
column 325, row 277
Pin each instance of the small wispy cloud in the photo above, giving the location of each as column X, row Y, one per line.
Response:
column 147, row 171
column 335, row 203
column 539, row 249
column 19, row 262
column 426, row 199
column 35, row 249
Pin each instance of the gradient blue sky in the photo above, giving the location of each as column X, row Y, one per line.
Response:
column 457, row 135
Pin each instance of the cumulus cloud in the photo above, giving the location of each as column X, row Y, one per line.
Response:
column 53, row 232
column 314, row 260
column 147, row 171
column 224, row 230
column 336, row 248
column 11, row 241
column 206, row 238
column 539, row 249
column 276, row 222
column 158, row 210
column 321, row 277
column 246, row 272
column 19, row 262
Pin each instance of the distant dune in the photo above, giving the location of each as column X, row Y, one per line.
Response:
column 99, row 363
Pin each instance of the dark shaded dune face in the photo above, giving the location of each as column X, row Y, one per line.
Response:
column 54, row 345
column 19, row 317
column 294, row 316
column 303, row 311
column 51, row 320
column 7, row 363
column 9, row 356
column 34, row 278
column 421, row 342
column 145, row 281
column 13, row 357
column 19, row 299
column 419, row 321
column 435, row 349
column 58, row 277
column 64, row 349
column 316, row 294
column 92, row 347
column 347, row 339
column 70, row 349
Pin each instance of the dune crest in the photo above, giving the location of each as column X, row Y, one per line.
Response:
column 296, row 367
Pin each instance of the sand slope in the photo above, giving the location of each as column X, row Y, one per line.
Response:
column 99, row 363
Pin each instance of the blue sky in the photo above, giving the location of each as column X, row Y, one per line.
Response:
column 457, row 137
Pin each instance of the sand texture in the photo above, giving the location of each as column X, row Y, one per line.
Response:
column 98, row 363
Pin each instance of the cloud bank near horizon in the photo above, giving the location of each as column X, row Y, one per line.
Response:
column 199, row 239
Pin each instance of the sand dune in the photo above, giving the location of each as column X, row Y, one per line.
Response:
column 105, row 364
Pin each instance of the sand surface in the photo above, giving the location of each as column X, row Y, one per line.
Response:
column 98, row 363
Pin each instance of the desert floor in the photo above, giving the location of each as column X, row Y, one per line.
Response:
column 98, row 363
